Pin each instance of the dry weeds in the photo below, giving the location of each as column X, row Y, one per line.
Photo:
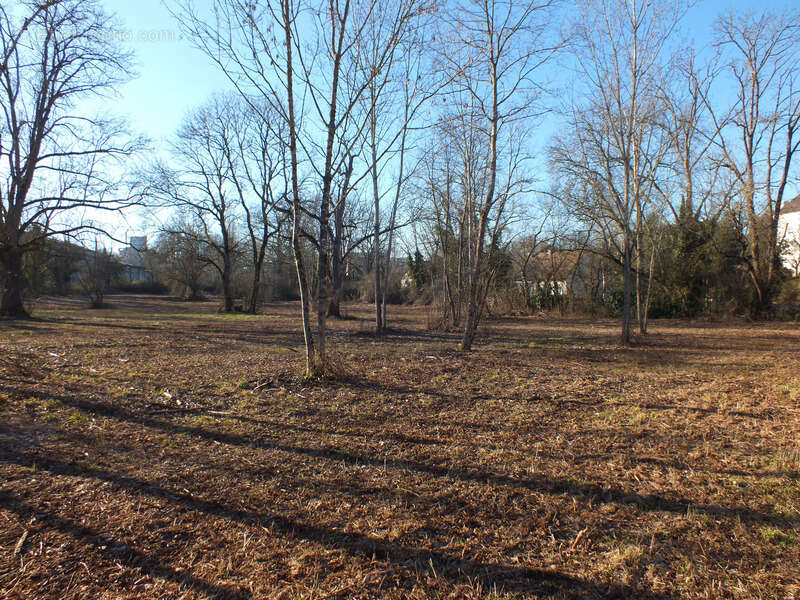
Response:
column 159, row 450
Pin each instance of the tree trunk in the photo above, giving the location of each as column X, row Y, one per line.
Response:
column 376, row 224
column 639, row 316
column 258, row 269
column 448, row 290
column 378, row 295
column 459, row 276
column 625, row 337
column 474, row 298
column 388, row 264
column 302, row 285
column 337, row 256
column 297, row 248
column 337, row 277
column 13, row 284
column 195, row 292
column 763, row 297
column 643, row 327
column 470, row 326
column 323, row 278
column 226, row 284
column 385, row 285
column 254, row 292
column 444, row 241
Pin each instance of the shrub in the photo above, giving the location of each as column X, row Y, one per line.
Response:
column 155, row 288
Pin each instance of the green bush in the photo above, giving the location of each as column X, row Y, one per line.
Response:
column 155, row 288
column 613, row 300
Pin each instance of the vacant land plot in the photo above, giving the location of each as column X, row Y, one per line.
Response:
column 160, row 450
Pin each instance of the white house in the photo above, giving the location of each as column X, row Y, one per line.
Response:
column 134, row 260
column 789, row 232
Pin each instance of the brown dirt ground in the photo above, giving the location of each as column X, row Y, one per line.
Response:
column 160, row 450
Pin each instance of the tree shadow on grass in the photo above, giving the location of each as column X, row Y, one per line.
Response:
column 545, row 583
column 32, row 324
column 130, row 558
column 402, row 438
column 590, row 491
column 388, row 436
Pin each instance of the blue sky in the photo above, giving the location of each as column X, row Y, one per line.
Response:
column 172, row 77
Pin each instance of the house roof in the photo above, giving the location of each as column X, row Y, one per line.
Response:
column 558, row 264
column 791, row 206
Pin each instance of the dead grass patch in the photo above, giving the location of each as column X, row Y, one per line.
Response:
column 159, row 450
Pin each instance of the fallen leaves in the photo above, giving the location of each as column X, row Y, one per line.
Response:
column 194, row 462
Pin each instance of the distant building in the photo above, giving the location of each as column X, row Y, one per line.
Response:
column 138, row 242
column 562, row 272
column 789, row 233
column 134, row 260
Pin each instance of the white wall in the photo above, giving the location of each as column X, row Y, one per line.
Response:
column 789, row 231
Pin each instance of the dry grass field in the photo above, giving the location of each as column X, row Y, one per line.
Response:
column 160, row 450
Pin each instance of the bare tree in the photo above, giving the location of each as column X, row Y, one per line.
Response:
column 495, row 49
column 259, row 47
column 688, row 123
column 529, row 245
column 612, row 148
column 98, row 270
column 393, row 103
column 55, row 160
column 439, row 188
column 255, row 46
column 692, row 190
column 181, row 260
column 258, row 164
column 286, row 18
column 759, row 133
column 204, row 186
column 340, row 27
